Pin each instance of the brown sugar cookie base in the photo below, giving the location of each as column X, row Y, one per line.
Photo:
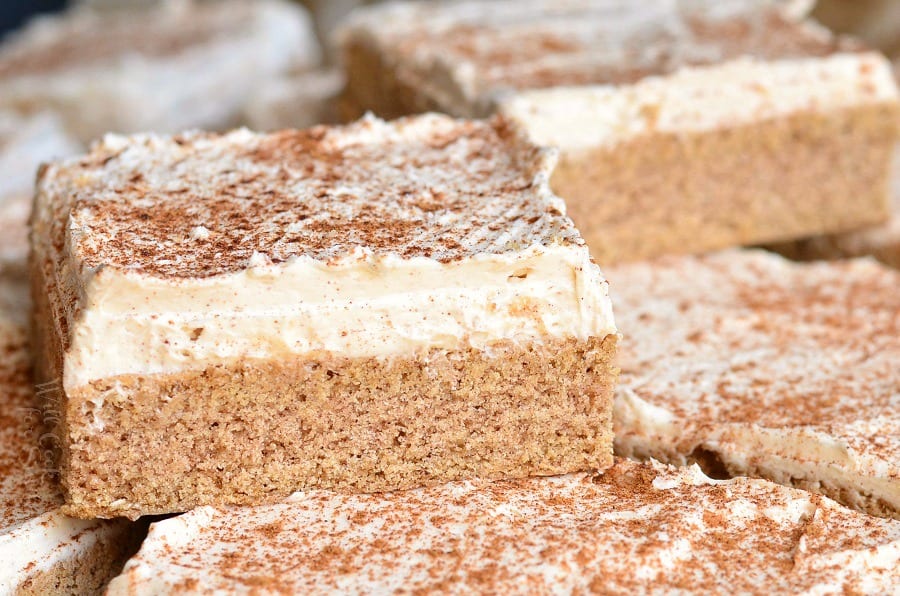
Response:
column 770, row 181
column 254, row 432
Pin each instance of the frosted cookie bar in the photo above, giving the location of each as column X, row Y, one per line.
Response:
column 380, row 306
column 684, row 125
column 42, row 550
column 755, row 365
column 634, row 528
column 165, row 67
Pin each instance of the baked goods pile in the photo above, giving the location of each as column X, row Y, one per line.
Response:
column 381, row 356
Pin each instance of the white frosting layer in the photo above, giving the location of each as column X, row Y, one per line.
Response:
column 358, row 307
column 785, row 454
column 40, row 543
column 701, row 99
column 783, row 370
column 635, row 528
column 297, row 101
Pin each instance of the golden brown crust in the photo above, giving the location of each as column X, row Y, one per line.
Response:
column 257, row 431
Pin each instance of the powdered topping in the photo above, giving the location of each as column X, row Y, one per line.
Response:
column 27, row 488
column 747, row 351
column 485, row 51
column 88, row 38
column 635, row 527
column 426, row 187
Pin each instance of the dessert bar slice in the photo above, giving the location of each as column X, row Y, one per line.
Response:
column 755, row 365
column 167, row 67
column 380, row 306
column 635, row 528
column 684, row 125
column 42, row 550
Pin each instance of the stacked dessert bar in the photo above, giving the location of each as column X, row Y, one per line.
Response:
column 684, row 125
column 633, row 528
column 375, row 307
column 379, row 357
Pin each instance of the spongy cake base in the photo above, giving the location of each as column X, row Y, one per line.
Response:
column 255, row 431
column 765, row 182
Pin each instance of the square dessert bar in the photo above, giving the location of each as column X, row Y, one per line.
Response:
column 635, row 528
column 372, row 307
column 753, row 365
column 684, row 125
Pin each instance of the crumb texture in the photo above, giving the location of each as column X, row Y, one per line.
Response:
column 881, row 242
column 257, row 431
column 673, row 193
column 633, row 528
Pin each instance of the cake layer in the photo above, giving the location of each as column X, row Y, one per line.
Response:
column 255, row 431
column 166, row 67
column 43, row 550
column 635, row 528
column 747, row 362
column 198, row 295
column 683, row 192
column 881, row 242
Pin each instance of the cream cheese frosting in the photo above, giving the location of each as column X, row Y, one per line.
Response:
column 26, row 141
column 747, row 90
column 374, row 239
column 295, row 101
column 778, row 369
column 636, row 527
column 164, row 67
